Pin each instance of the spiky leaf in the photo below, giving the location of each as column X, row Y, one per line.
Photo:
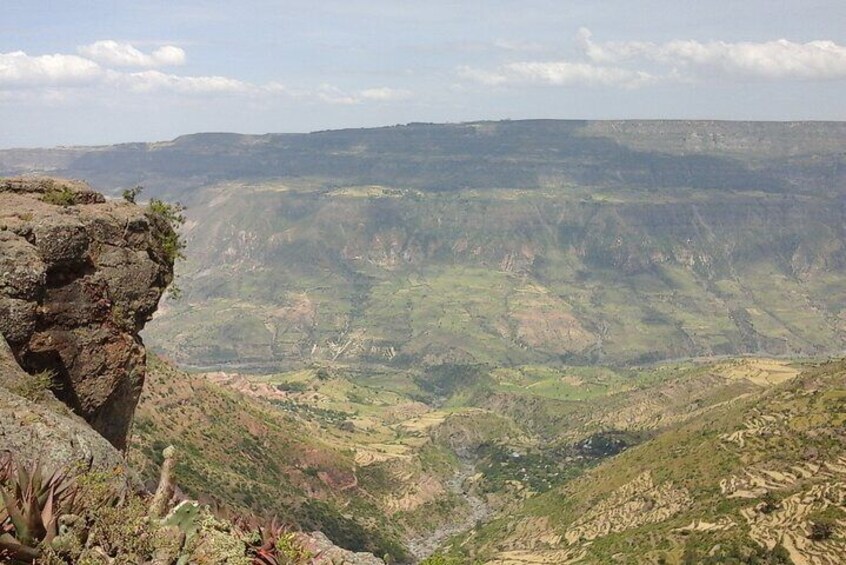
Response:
column 17, row 519
column 16, row 550
column 48, row 518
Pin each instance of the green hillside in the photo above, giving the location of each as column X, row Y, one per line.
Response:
column 508, row 461
column 279, row 274
column 760, row 478
column 509, row 242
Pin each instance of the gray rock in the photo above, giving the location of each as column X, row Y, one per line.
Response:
column 47, row 432
column 77, row 284
column 328, row 553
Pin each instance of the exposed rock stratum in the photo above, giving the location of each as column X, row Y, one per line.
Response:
column 79, row 278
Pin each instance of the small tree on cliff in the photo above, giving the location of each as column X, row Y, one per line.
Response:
column 130, row 194
column 169, row 218
column 166, row 219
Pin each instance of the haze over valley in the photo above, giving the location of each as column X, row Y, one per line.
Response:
column 421, row 337
column 495, row 242
column 392, row 283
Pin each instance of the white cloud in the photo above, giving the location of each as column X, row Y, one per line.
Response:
column 489, row 78
column 50, row 77
column 384, row 94
column 17, row 70
column 155, row 81
column 566, row 73
column 52, row 73
column 779, row 59
column 633, row 64
column 558, row 73
column 334, row 95
column 116, row 54
column 516, row 45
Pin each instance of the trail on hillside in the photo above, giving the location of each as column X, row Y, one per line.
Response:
column 477, row 510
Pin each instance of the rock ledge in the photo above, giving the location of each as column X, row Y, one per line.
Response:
column 79, row 278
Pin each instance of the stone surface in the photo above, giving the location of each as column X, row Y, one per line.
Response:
column 47, row 431
column 327, row 553
column 79, row 278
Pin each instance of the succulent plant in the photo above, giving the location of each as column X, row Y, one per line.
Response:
column 274, row 543
column 185, row 517
column 30, row 509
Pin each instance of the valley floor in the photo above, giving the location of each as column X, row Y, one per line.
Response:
column 726, row 460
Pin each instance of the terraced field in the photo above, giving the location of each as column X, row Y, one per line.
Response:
column 526, row 464
column 757, row 478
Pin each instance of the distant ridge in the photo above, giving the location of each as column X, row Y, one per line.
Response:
column 508, row 242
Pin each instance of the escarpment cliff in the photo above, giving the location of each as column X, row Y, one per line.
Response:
column 79, row 278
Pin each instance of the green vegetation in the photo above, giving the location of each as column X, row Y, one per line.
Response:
column 730, row 483
column 37, row 387
column 444, row 560
column 259, row 457
column 431, row 307
column 131, row 194
column 501, row 279
column 169, row 219
column 351, row 450
column 823, row 523
column 513, row 243
column 82, row 516
column 63, row 196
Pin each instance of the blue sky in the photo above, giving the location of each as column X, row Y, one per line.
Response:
column 93, row 71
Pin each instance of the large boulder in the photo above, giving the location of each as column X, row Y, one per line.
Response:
column 44, row 429
column 79, row 278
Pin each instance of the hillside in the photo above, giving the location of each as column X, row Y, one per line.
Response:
column 759, row 478
column 496, row 242
column 397, row 463
column 248, row 456
column 646, row 155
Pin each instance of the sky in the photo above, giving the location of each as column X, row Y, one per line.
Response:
column 89, row 72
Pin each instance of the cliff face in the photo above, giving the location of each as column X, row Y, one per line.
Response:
column 79, row 278
column 41, row 429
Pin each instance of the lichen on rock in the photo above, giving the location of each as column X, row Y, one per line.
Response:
column 46, row 431
column 79, row 278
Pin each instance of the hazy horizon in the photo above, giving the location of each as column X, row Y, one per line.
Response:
column 187, row 134
column 109, row 72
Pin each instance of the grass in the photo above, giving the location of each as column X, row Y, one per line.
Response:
column 572, row 383
column 37, row 387
column 60, row 196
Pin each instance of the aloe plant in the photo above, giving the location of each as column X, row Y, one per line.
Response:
column 29, row 511
column 274, row 544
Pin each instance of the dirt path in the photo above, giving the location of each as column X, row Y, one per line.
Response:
column 424, row 546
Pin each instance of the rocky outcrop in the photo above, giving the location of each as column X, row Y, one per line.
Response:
column 46, row 431
column 327, row 553
column 79, row 278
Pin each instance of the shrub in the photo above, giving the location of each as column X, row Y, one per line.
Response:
column 821, row 530
column 769, row 503
column 36, row 387
column 60, row 197
column 168, row 219
column 130, row 194
column 824, row 522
